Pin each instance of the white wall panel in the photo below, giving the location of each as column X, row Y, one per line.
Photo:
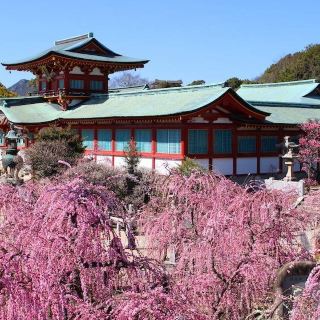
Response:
column 223, row 165
column 163, row 165
column 145, row 163
column 204, row 163
column 246, row 165
column 119, row 162
column 96, row 72
column 76, row 70
column 106, row 160
column 269, row 164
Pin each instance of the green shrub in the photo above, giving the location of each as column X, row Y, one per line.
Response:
column 188, row 165
column 54, row 145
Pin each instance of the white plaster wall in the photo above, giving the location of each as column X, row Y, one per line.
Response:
column 145, row 163
column 106, row 160
column 96, row 72
column 119, row 162
column 198, row 120
column 164, row 165
column 222, row 120
column 76, row 70
column 246, row 165
column 223, row 165
column 269, row 164
column 204, row 163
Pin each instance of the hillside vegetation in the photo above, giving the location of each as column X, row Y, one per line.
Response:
column 4, row 92
column 301, row 65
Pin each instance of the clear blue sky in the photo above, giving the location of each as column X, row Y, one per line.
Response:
column 184, row 39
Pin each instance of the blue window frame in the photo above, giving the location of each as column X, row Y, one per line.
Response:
column 122, row 139
column 76, row 84
column 247, row 144
column 168, row 141
column 222, row 141
column 143, row 138
column 96, row 85
column 198, row 141
column 105, row 139
column 269, row 143
column 61, row 83
column 87, row 136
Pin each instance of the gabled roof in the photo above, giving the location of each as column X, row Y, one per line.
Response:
column 124, row 105
column 71, row 48
column 299, row 93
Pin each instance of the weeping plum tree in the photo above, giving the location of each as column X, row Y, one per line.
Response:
column 308, row 304
column 228, row 242
column 309, row 151
column 60, row 258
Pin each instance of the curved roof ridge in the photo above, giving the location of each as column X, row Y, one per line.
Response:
column 279, row 84
column 172, row 89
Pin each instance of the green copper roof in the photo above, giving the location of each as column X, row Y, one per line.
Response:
column 158, row 102
column 143, row 103
column 67, row 48
column 288, row 102
column 299, row 93
column 29, row 110
column 290, row 115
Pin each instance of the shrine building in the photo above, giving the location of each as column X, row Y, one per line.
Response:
column 231, row 132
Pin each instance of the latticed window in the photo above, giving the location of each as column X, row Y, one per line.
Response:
column 96, row 85
column 76, row 84
column 246, row 144
column 222, row 141
column 269, row 143
column 61, row 84
column 122, row 139
column 143, row 138
column 197, row 141
column 168, row 141
column 104, row 139
column 87, row 136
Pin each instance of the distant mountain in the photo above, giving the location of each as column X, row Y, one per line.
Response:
column 23, row 87
column 4, row 92
column 301, row 65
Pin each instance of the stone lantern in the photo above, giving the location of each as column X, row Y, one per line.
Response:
column 289, row 157
column 12, row 140
column 11, row 160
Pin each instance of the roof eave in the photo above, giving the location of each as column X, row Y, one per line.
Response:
column 9, row 66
